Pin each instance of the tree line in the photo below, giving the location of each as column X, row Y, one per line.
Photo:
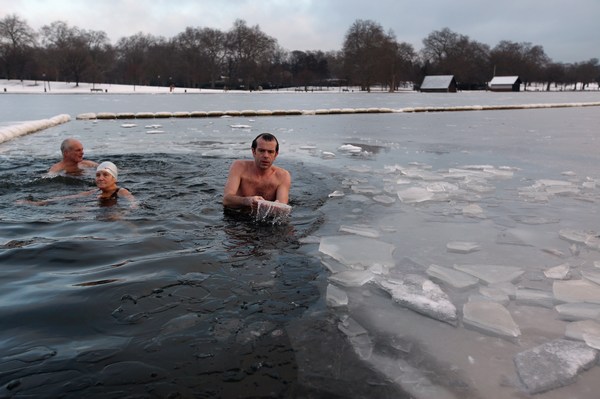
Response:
column 244, row 57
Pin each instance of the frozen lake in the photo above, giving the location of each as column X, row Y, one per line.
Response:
column 426, row 253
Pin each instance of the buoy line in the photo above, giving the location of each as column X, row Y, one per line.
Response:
column 20, row 129
column 332, row 111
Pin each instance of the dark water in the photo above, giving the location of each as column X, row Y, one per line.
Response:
column 175, row 298
column 180, row 299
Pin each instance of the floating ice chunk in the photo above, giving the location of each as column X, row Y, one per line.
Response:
column 553, row 364
column 240, row 126
column 494, row 294
column 334, row 266
column 462, row 247
column 442, row 187
column 415, row 195
column 384, row 199
column 527, row 296
column 592, row 340
column 336, row 193
column 360, row 230
column 492, row 274
column 421, row 174
column 509, row 238
column 336, row 297
column 402, row 181
column 350, row 148
column 591, row 275
column 473, row 211
column 351, row 328
column 506, row 287
column 310, row 240
column 327, row 155
column 576, row 291
column 593, row 242
column 153, row 126
column 560, row 272
column 128, row 125
column 578, row 311
column 574, row 235
column 491, row 318
column 544, row 183
column 577, row 329
column 358, row 337
column 154, row 131
column 354, row 250
column 365, row 189
column 452, row 277
column 352, row 278
column 421, row 295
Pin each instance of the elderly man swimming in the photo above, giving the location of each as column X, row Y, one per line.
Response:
column 72, row 162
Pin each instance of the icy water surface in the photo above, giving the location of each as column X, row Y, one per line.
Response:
column 425, row 255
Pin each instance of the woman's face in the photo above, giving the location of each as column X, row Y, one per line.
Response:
column 104, row 179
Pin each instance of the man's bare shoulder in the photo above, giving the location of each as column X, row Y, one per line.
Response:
column 57, row 167
column 241, row 165
column 87, row 164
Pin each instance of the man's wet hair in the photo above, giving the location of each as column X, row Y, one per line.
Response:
column 65, row 145
column 265, row 137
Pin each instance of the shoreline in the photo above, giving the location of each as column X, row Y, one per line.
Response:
column 52, row 87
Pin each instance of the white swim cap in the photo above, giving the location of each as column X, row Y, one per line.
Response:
column 109, row 167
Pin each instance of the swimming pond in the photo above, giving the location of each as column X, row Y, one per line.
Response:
column 181, row 297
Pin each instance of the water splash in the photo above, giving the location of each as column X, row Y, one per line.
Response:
column 271, row 211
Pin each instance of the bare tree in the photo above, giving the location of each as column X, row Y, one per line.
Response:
column 364, row 46
column 451, row 53
column 69, row 49
column 522, row 59
column 132, row 57
column 213, row 42
column 17, row 41
column 249, row 52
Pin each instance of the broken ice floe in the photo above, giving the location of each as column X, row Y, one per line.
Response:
column 421, row 295
column 462, row 247
column 576, row 291
column 560, row 272
column 335, row 296
column 490, row 317
column 553, row 364
column 357, row 251
column 492, row 274
column 578, row 311
column 532, row 297
column 361, row 230
column 454, row 278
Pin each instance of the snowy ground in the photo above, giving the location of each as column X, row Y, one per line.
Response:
column 33, row 87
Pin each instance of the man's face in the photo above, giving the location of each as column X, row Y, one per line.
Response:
column 75, row 152
column 264, row 153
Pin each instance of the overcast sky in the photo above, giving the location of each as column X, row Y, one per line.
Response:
column 568, row 30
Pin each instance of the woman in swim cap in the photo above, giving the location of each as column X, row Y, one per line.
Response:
column 106, row 180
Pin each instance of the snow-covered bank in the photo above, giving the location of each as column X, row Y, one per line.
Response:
column 10, row 132
column 39, row 87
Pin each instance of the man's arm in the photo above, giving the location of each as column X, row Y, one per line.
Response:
column 283, row 190
column 88, row 164
column 232, row 186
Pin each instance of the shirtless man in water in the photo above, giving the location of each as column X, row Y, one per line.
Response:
column 72, row 162
column 252, row 181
